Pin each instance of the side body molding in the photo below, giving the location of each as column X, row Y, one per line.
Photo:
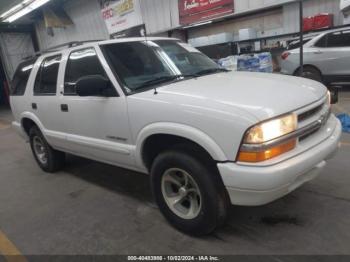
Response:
column 180, row 130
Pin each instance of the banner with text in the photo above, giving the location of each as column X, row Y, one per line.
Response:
column 120, row 15
column 194, row 11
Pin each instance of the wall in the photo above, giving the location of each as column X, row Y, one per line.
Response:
column 344, row 4
column 311, row 7
column 160, row 15
column 242, row 6
column 282, row 20
column 14, row 47
column 88, row 25
column 267, row 24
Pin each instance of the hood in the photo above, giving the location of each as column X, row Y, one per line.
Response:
column 259, row 94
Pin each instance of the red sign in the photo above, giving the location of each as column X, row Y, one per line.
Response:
column 192, row 11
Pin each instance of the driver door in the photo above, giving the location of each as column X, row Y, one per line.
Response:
column 97, row 127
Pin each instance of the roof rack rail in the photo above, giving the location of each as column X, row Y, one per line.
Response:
column 59, row 47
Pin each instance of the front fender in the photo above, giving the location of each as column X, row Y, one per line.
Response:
column 180, row 130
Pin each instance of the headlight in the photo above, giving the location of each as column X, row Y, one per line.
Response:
column 271, row 129
column 255, row 149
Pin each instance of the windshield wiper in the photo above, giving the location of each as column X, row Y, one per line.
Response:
column 211, row 71
column 158, row 80
column 164, row 79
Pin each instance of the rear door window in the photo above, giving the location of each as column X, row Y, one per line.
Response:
column 81, row 63
column 21, row 77
column 335, row 40
column 46, row 79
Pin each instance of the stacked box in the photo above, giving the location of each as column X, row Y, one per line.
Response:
column 255, row 63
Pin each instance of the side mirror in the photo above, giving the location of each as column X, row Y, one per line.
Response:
column 94, row 85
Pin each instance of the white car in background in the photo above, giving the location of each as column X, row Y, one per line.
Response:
column 326, row 57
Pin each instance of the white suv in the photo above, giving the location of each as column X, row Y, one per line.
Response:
column 206, row 136
column 326, row 57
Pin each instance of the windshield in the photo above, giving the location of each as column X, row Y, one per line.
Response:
column 143, row 65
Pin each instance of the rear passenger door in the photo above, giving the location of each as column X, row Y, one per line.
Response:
column 97, row 127
column 332, row 54
column 44, row 100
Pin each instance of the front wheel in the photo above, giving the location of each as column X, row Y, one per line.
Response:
column 188, row 194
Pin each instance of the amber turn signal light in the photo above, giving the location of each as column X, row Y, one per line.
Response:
column 254, row 157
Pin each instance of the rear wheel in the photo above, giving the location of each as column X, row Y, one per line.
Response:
column 49, row 159
column 187, row 193
column 310, row 73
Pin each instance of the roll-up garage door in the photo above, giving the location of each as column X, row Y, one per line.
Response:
column 14, row 48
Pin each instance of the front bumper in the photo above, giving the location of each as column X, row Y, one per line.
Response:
column 259, row 185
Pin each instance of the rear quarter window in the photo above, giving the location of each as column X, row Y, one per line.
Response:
column 21, row 77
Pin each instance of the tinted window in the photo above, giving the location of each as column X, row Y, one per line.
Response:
column 46, row 79
column 322, row 42
column 136, row 63
column 142, row 65
column 339, row 39
column 81, row 63
column 21, row 77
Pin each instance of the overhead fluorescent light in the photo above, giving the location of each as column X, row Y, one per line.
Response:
column 26, row 8
column 13, row 9
column 198, row 24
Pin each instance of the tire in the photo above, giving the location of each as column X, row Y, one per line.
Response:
column 49, row 159
column 210, row 210
column 312, row 73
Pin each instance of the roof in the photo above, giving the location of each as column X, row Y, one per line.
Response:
column 73, row 45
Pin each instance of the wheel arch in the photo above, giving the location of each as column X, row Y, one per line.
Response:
column 28, row 120
column 307, row 65
column 178, row 133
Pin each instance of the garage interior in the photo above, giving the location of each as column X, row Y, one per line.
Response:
column 3, row 89
column 94, row 209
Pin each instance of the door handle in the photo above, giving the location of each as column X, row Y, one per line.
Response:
column 318, row 52
column 64, row 108
column 34, row 106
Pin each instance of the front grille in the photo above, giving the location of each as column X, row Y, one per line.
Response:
column 301, row 138
column 321, row 121
column 304, row 116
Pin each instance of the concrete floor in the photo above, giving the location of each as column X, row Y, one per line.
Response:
column 92, row 208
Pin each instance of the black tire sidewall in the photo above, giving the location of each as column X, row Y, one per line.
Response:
column 207, row 219
column 50, row 165
column 313, row 73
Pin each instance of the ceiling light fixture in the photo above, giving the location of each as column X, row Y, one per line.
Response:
column 22, row 9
